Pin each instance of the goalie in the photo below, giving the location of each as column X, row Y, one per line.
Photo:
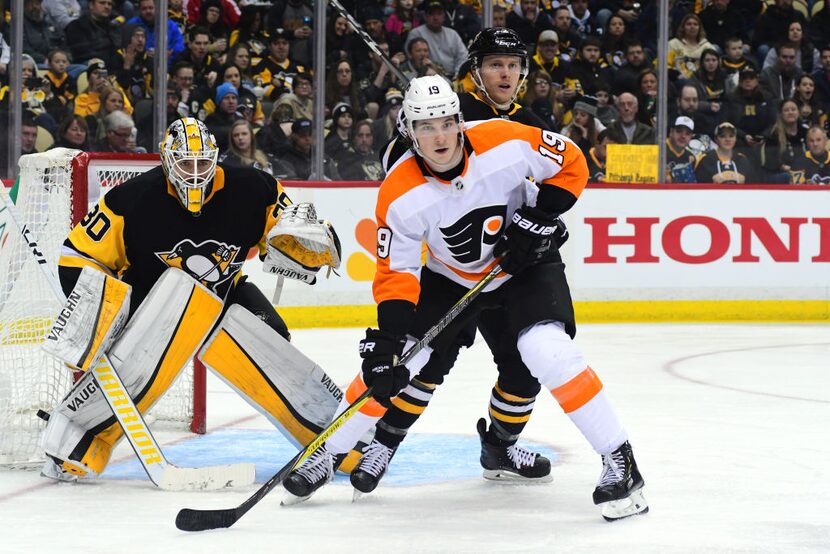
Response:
column 153, row 274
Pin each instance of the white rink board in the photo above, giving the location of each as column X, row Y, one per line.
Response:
column 687, row 223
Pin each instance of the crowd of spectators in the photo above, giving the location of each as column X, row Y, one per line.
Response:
column 749, row 87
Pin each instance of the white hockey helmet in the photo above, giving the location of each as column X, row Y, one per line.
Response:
column 188, row 158
column 430, row 97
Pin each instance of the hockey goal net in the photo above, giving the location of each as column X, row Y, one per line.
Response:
column 56, row 189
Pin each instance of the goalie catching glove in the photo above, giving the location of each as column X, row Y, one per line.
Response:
column 300, row 244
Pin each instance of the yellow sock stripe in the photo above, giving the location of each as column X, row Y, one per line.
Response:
column 511, row 397
column 408, row 407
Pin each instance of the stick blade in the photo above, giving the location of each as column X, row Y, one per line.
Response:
column 202, row 520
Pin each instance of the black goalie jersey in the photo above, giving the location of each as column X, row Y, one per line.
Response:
column 139, row 229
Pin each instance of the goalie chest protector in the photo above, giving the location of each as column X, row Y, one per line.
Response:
column 140, row 229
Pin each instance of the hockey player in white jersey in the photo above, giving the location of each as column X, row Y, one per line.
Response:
column 464, row 191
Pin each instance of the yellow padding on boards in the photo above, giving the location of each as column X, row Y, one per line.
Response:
column 199, row 316
column 227, row 358
column 306, row 317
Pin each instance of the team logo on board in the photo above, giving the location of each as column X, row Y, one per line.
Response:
column 210, row 262
column 465, row 237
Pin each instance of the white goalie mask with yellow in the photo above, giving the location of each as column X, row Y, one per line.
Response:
column 188, row 158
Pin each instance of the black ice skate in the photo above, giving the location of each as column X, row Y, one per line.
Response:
column 619, row 491
column 317, row 470
column 371, row 468
column 511, row 463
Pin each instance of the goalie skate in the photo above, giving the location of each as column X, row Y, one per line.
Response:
column 511, row 463
column 619, row 491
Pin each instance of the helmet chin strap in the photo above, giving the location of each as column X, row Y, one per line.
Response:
column 476, row 77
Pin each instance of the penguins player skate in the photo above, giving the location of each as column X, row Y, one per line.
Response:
column 463, row 190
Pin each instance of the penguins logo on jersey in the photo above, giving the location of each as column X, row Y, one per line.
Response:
column 465, row 237
column 210, row 262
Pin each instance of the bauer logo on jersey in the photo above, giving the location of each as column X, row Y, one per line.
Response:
column 211, row 262
column 466, row 236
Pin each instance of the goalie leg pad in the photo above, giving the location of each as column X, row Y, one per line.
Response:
column 93, row 315
column 159, row 340
column 278, row 380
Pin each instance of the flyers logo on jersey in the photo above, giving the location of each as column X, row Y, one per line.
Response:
column 466, row 236
column 211, row 262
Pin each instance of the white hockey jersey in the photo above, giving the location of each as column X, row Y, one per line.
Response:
column 461, row 221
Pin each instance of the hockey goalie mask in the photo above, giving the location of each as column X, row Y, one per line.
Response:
column 430, row 97
column 188, row 158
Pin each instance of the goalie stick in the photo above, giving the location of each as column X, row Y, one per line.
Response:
column 161, row 472
column 201, row 520
column 373, row 46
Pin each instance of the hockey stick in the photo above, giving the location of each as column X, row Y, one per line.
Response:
column 373, row 46
column 161, row 472
column 200, row 520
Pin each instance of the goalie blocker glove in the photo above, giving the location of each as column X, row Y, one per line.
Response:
column 527, row 240
column 380, row 351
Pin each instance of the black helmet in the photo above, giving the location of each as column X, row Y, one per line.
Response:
column 494, row 40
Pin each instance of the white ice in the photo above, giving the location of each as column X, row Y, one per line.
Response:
column 729, row 424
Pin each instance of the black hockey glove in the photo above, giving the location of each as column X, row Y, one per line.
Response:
column 560, row 235
column 527, row 239
column 380, row 351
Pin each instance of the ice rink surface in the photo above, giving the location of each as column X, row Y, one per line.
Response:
column 730, row 426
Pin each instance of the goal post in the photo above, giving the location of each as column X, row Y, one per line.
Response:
column 56, row 190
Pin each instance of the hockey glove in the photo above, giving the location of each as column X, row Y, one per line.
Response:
column 380, row 351
column 526, row 240
column 560, row 235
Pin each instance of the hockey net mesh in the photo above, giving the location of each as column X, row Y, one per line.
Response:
column 31, row 380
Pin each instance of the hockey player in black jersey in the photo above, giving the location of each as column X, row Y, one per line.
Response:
column 177, row 236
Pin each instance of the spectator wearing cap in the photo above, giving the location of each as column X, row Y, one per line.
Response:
column 589, row 67
column 205, row 66
column 749, row 110
column 274, row 71
column 813, row 167
column 40, row 36
column 584, row 128
column 401, row 21
column 89, row 101
column 771, row 27
column 597, row 157
column 120, row 134
column 91, row 35
column 249, row 105
column 724, row 165
column 360, row 162
column 231, row 12
column 528, row 21
column 625, row 79
column 133, row 67
column 383, row 128
column 297, row 158
column 680, row 161
column 220, row 121
column 786, row 141
column 342, row 128
column 445, row 45
column 627, row 130
column 298, row 104
column 778, row 81
column 147, row 20
column 547, row 59
column 298, row 18
column 62, row 12
column 822, row 78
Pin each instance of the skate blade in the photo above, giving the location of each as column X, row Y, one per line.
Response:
column 356, row 495
column 289, row 499
column 633, row 505
column 514, row 478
